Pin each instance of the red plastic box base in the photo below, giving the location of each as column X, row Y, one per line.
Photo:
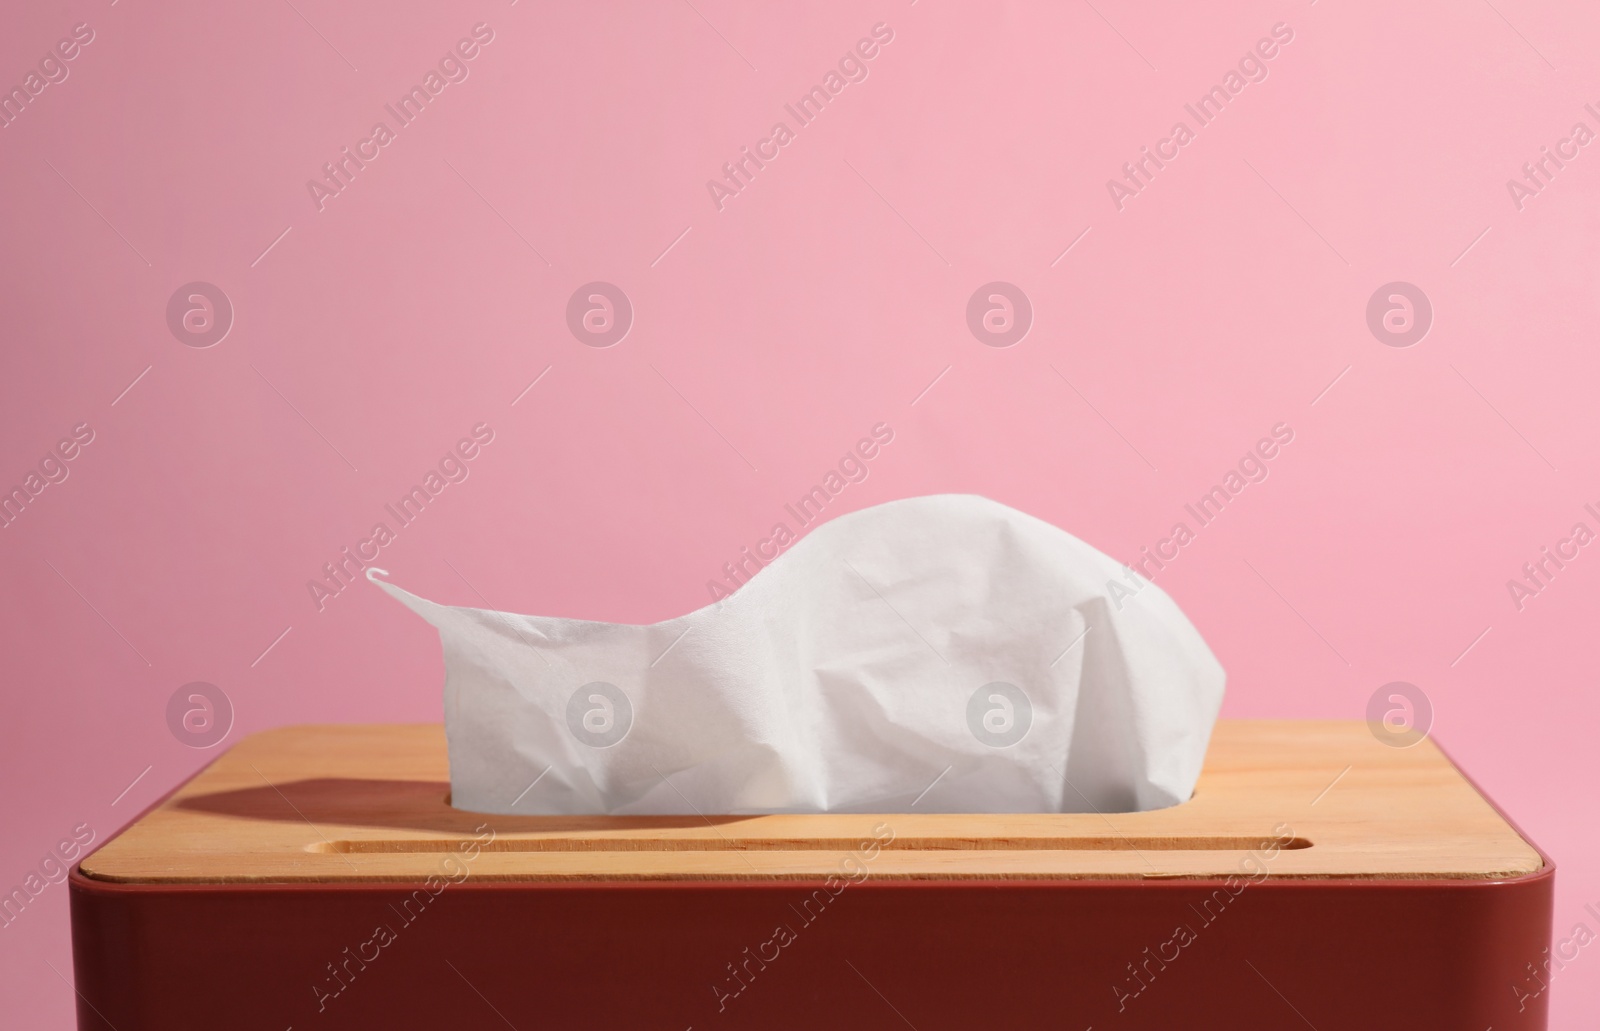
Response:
column 1412, row 955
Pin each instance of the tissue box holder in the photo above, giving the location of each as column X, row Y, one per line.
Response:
column 317, row 877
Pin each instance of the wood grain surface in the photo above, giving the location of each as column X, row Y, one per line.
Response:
column 368, row 802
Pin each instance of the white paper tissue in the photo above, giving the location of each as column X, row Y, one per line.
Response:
column 937, row 654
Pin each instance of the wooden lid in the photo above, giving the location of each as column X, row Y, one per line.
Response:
column 367, row 803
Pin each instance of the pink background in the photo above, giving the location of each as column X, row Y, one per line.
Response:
column 1225, row 298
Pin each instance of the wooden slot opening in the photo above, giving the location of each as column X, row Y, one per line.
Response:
column 830, row 844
